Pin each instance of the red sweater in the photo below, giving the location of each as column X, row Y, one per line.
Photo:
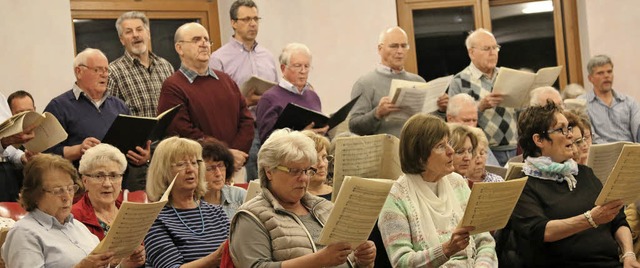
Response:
column 83, row 212
column 213, row 108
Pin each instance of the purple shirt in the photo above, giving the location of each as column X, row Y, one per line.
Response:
column 239, row 63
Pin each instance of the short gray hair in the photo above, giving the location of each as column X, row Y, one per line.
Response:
column 470, row 41
column 291, row 48
column 131, row 15
column 284, row 146
column 99, row 154
column 457, row 102
column 534, row 99
column 597, row 61
column 81, row 58
column 572, row 91
column 233, row 11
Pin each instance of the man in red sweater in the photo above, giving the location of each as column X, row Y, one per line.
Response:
column 213, row 105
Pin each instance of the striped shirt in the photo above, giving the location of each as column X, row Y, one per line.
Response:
column 618, row 122
column 169, row 243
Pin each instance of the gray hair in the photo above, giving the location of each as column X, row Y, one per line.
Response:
column 284, row 146
column 572, row 91
column 292, row 48
column 131, row 15
column 98, row 155
column 597, row 61
column 233, row 11
column 457, row 102
column 81, row 58
column 535, row 94
column 470, row 41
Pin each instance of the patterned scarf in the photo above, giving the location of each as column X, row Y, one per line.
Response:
column 545, row 169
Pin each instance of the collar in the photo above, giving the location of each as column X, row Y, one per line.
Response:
column 239, row 45
column 191, row 75
column 477, row 74
column 387, row 70
column 132, row 60
column 77, row 92
column 591, row 96
column 544, row 168
column 47, row 221
column 293, row 89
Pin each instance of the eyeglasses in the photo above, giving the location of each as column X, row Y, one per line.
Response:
column 396, row 46
column 198, row 40
column 564, row 130
column 220, row 166
column 299, row 67
column 182, row 165
column 63, row 190
column 98, row 70
column 249, row 19
column 327, row 158
column 495, row 48
column 101, row 177
column 296, row 172
column 579, row 142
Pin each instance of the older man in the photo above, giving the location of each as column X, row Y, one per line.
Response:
column 295, row 63
column 137, row 76
column 615, row 116
column 539, row 96
column 86, row 112
column 498, row 123
column 213, row 105
column 369, row 112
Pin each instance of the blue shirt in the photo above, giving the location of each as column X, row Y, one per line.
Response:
column 618, row 122
column 232, row 197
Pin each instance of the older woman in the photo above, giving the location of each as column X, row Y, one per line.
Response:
column 464, row 144
column 419, row 219
column 477, row 171
column 577, row 131
column 188, row 230
column 218, row 161
column 586, row 124
column 49, row 236
column 318, row 182
column 555, row 221
column 280, row 227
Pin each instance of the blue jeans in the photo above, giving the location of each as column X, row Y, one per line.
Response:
column 252, row 161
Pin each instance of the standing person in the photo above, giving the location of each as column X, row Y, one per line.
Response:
column 241, row 58
column 213, row 105
column 499, row 123
column 369, row 112
column 614, row 116
column 12, row 158
column 21, row 101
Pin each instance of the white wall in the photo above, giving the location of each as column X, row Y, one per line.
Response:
column 36, row 48
column 610, row 27
column 341, row 34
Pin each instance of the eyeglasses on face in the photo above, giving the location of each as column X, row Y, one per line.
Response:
column 396, row 46
column 182, row 165
column 299, row 67
column 249, row 19
column 63, row 190
column 495, row 48
column 197, row 40
column 98, row 70
column 101, row 177
column 564, row 130
column 296, row 172
column 220, row 167
column 327, row 158
column 579, row 142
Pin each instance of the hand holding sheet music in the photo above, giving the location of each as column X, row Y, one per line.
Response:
column 415, row 97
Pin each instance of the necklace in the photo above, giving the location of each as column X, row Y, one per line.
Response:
column 185, row 224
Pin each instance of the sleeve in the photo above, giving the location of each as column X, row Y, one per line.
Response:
column 363, row 120
column 53, row 108
column 113, row 87
column 634, row 120
column 15, row 155
column 245, row 134
column 485, row 250
column 22, row 250
column 161, row 251
column 215, row 63
column 394, row 226
column 250, row 241
column 528, row 217
column 266, row 117
column 171, row 95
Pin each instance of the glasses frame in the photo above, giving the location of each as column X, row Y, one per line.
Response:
column 495, row 48
column 62, row 190
column 249, row 19
column 220, row 167
column 182, row 165
column 296, row 172
column 569, row 129
column 197, row 40
column 101, row 177
column 97, row 70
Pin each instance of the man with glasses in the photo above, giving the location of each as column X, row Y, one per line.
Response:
column 369, row 112
column 86, row 111
column 498, row 123
column 295, row 64
column 213, row 106
column 241, row 58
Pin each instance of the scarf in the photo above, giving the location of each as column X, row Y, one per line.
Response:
column 545, row 169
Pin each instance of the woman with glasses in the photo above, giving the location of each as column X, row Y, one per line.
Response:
column 577, row 131
column 555, row 221
column 188, row 231
column 419, row 220
column 318, row 182
column 586, row 135
column 477, row 171
column 49, row 236
column 218, row 162
column 464, row 145
column 280, row 226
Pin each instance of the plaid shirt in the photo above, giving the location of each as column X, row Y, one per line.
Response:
column 138, row 86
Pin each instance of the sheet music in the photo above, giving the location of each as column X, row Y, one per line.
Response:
column 491, row 203
column 513, row 171
column 623, row 182
column 602, row 158
column 253, row 190
column 356, row 211
column 516, row 85
column 435, row 89
column 410, row 100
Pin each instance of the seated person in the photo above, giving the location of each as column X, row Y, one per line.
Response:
column 318, row 182
column 477, row 171
column 49, row 236
column 578, row 139
column 464, row 144
column 218, row 161
column 188, row 230
column 280, row 227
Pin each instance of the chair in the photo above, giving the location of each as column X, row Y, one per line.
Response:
column 12, row 210
column 500, row 171
column 139, row 196
column 243, row 185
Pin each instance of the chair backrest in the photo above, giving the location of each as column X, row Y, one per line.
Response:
column 243, row 185
column 12, row 210
column 139, row 196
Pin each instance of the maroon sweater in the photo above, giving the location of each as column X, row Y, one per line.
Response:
column 212, row 108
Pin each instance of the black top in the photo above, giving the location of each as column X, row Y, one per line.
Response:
column 544, row 200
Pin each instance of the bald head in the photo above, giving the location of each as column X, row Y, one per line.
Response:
column 392, row 48
column 539, row 96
